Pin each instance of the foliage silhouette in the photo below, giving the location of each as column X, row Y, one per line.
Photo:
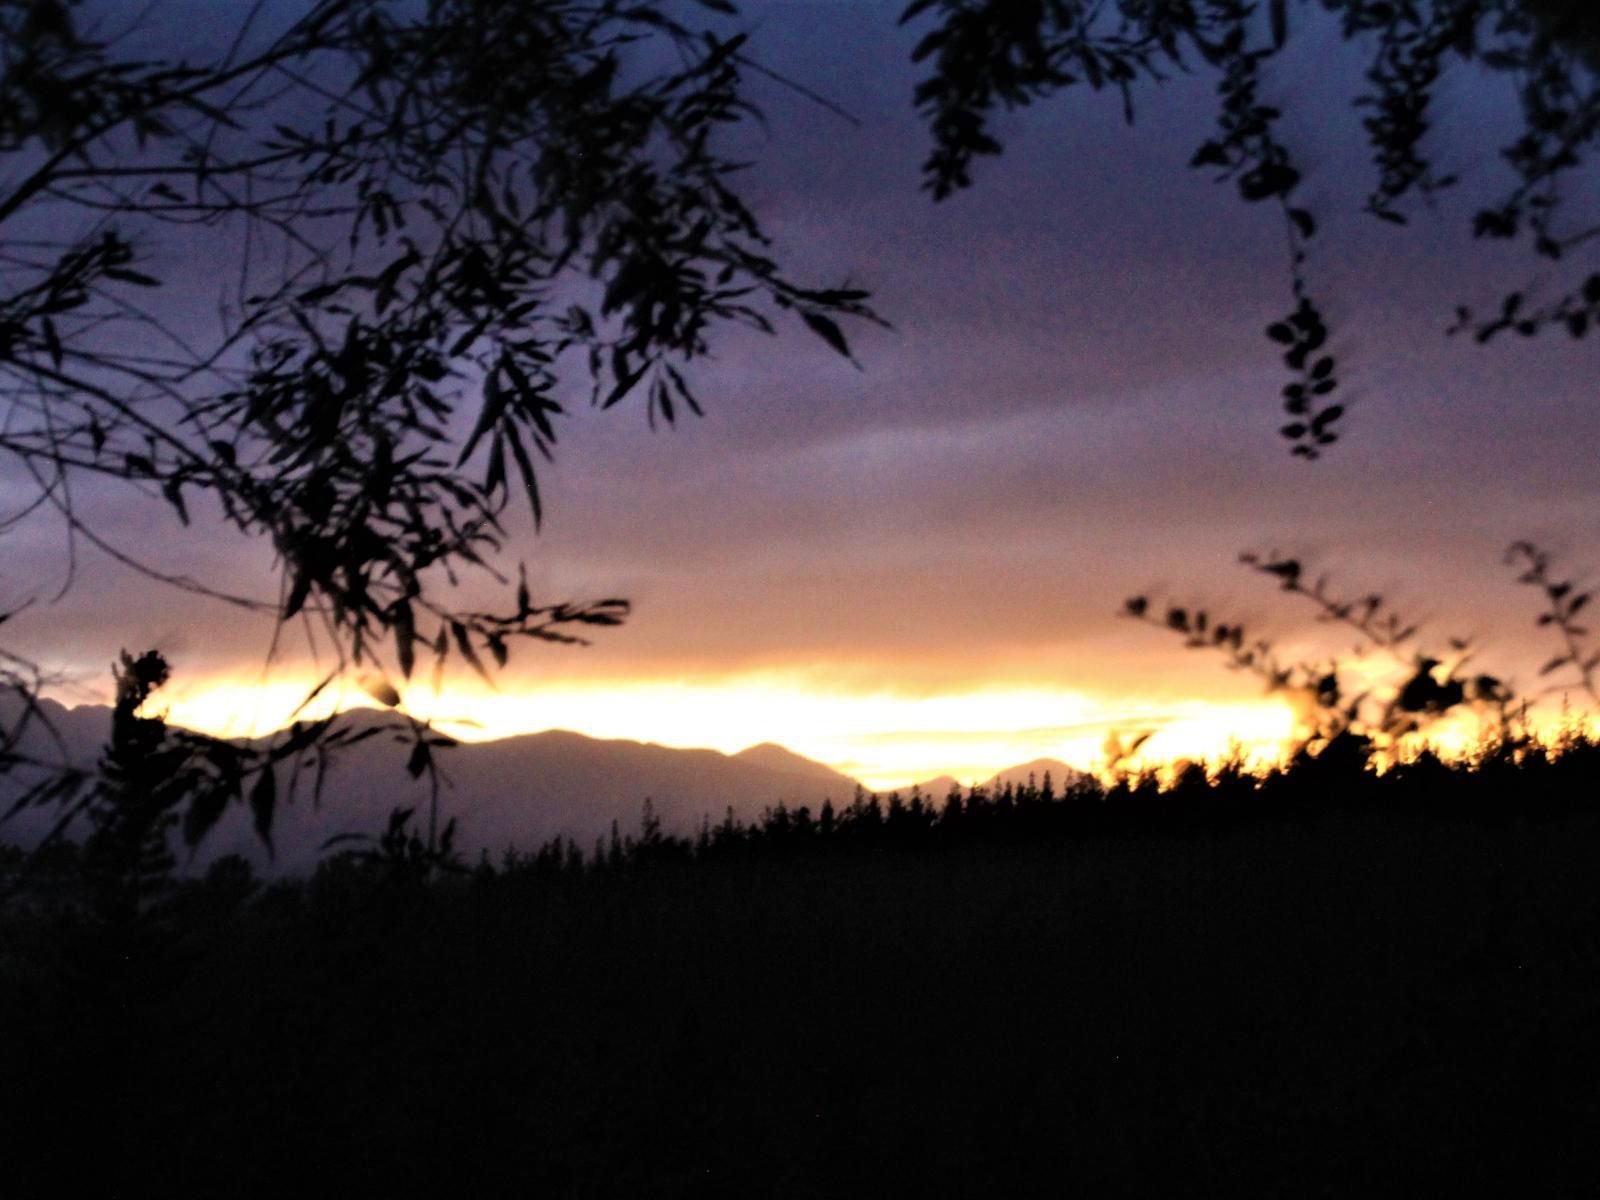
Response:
column 1565, row 602
column 452, row 210
column 985, row 55
column 1431, row 686
column 443, row 209
column 1129, row 982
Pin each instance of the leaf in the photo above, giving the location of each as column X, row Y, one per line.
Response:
column 1553, row 664
column 931, row 42
column 55, row 789
column 624, row 385
column 421, row 759
column 464, row 644
column 827, row 330
column 322, row 292
column 405, row 636
column 52, row 341
column 172, row 489
column 204, row 811
column 137, row 278
column 495, row 400
column 298, row 593
column 530, row 481
column 390, row 278
column 263, row 801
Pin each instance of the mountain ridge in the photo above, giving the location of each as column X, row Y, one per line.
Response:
column 519, row 791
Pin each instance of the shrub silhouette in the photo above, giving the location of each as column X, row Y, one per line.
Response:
column 1332, row 718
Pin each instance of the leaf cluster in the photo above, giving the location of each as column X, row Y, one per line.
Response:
column 985, row 55
column 154, row 781
column 1333, row 714
column 449, row 213
column 1564, row 601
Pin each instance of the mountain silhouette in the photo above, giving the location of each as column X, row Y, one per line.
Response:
column 1062, row 775
column 780, row 758
column 513, row 792
column 937, row 788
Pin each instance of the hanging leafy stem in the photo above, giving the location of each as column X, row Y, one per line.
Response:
column 1564, row 601
column 989, row 54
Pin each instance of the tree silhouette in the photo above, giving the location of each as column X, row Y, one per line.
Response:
column 443, row 213
column 449, row 212
column 984, row 55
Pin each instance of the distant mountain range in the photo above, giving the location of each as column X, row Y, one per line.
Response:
column 517, row 791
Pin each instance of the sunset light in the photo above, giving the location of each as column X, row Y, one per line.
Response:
column 799, row 598
column 884, row 740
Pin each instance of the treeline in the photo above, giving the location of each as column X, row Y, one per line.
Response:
column 1512, row 781
column 1313, row 979
column 1521, row 780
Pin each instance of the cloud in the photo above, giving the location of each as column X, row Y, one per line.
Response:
column 1075, row 403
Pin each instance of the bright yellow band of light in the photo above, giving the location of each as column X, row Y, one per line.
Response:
column 883, row 739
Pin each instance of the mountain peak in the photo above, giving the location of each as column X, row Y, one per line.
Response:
column 780, row 758
column 937, row 788
column 1061, row 774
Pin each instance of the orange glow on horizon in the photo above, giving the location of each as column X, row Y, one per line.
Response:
column 882, row 739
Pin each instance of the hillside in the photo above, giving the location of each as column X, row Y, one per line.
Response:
column 518, row 791
column 1324, row 983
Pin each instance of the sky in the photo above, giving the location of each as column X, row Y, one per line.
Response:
column 914, row 567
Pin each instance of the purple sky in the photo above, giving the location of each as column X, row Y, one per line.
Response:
column 1075, row 403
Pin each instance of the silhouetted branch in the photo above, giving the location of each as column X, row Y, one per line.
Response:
column 1565, row 603
column 985, row 55
column 1327, row 712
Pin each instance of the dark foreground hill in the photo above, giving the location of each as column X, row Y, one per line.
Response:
column 1324, row 986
